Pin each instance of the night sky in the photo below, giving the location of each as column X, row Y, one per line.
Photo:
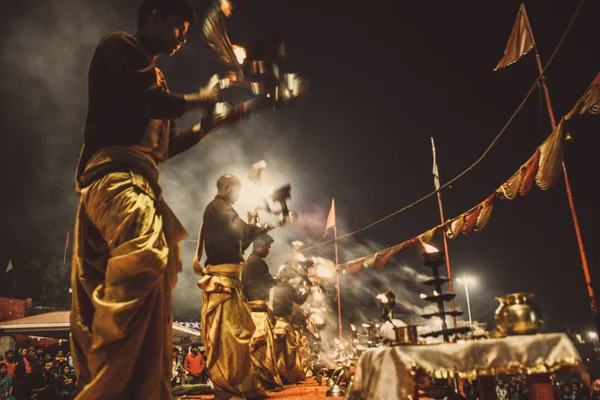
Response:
column 384, row 77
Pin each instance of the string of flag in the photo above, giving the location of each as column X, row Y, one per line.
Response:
column 543, row 168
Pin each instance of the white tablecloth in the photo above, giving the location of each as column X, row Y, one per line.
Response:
column 386, row 372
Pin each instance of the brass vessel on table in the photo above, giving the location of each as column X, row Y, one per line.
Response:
column 517, row 315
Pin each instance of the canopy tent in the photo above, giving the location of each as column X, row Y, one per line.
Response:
column 56, row 325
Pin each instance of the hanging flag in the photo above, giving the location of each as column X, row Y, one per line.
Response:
column 331, row 220
column 9, row 266
column 589, row 102
column 436, row 173
column 67, row 242
column 520, row 41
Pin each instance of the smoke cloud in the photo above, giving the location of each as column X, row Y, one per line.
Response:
column 52, row 56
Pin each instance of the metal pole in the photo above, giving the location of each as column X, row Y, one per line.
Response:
column 468, row 305
column 337, row 277
column 584, row 263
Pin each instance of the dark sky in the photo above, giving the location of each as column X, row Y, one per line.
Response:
column 384, row 77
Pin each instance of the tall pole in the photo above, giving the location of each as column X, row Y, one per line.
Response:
column 584, row 263
column 66, row 247
column 468, row 304
column 443, row 221
column 337, row 277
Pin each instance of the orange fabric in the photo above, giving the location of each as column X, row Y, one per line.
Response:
column 11, row 368
column 194, row 364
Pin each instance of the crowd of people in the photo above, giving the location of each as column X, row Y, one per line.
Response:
column 34, row 373
column 515, row 388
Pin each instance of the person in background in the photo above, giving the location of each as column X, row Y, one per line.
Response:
column 10, row 361
column 567, row 393
column 26, row 371
column 178, row 374
column 44, row 386
column 194, row 364
column 40, row 352
column 6, row 383
column 595, row 390
column 66, row 383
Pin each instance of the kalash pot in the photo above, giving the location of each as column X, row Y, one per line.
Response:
column 518, row 315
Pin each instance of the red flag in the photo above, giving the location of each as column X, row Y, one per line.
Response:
column 331, row 220
column 520, row 41
column 67, row 242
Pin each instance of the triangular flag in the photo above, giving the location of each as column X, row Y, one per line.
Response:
column 520, row 41
column 331, row 220
column 436, row 173
column 10, row 266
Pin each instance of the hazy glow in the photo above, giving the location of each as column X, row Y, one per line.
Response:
column 323, row 271
column 466, row 280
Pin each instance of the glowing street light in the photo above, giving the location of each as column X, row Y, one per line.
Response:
column 592, row 335
column 467, row 280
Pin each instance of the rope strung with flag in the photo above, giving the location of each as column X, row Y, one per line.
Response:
column 473, row 165
column 543, row 168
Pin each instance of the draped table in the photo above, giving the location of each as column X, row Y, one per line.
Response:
column 392, row 372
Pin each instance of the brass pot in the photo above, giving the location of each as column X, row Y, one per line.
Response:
column 518, row 315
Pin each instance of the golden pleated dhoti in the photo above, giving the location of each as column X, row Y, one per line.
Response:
column 227, row 329
column 262, row 345
column 126, row 258
column 286, row 349
column 303, row 352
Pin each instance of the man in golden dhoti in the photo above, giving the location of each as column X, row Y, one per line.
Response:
column 126, row 254
column 227, row 325
column 299, row 326
column 286, row 341
column 257, row 283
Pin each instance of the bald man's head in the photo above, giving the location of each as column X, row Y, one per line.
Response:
column 229, row 187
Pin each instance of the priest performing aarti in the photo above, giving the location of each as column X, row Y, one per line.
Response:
column 287, row 342
column 126, row 254
column 257, row 283
column 227, row 324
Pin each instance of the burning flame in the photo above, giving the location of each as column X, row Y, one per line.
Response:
column 323, row 271
column 240, row 53
column 423, row 296
column 226, row 7
column 382, row 298
column 429, row 248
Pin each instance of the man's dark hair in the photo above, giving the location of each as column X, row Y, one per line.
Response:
column 9, row 352
column 166, row 8
column 263, row 239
